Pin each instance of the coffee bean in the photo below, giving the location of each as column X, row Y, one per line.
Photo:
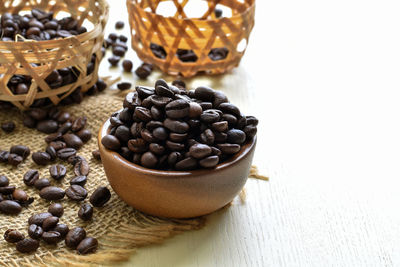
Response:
column 209, row 162
column 41, row 158
column 10, row 207
column 35, row 231
column 74, row 237
column 13, row 236
column 50, row 223
column 119, row 25
column 4, row 181
column 236, row 136
column 85, row 212
column 63, row 229
column 8, row 126
column 82, row 168
column 29, row 122
column 220, row 126
column 14, row 159
column 4, row 156
column 218, row 13
column 57, row 172
column 39, row 218
column 7, row 190
column 65, row 153
column 41, row 183
column 85, row 135
column 78, row 124
column 57, row 145
column 52, row 193
column 100, row 196
column 56, row 209
column 118, row 51
column 72, row 140
column 143, row 114
column 157, row 148
column 123, row 133
column 207, row 137
column 52, row 152
column 76, row 192
column 199, row 151
column 111, row 142
column 174, row 146
column 164, row 90
column 229, row 148
column 176, row 126
column 51, row 237
column 149, row 160
column 177, row 109
column 75, row 159
column 143, row 71
column 123, row 38
column 210, row 116
column 113, row 36
column 20, row 150
column 20, row 195
column 114, row 60
column 186, row 164
column 127, row 65
column 96, row 154
column 87, row 245
column 27, row 245
column 204, row 93
column 47, row 126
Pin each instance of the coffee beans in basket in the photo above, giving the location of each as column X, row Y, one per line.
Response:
column 169, row 128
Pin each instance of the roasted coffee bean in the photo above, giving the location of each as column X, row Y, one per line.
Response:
column 149, row 160
column 57, row 145
column 65, row 153
column 41, row 183
column 114, row 60
column 52, row 152
column 73, row 140
column 20, row 195
column 177, row 109
column 96, row 154
column 51, row 237
column 210, row 116
column 52, row 193
column 20, row 150
column 164, row 90
column 41, row 158
column 200, row 151
column 100, row 196
column 8, row 126
column 158, row 101
column 236, row 136
column 7, row 190
column 174, row 146
column 186, row 164
column 209, row 162
column 206, row 105
column 160, row 133
column 137, row 145
column 147, row 136
column 143, row 114
column 250, row 131
column 57, row 172
column 4, row 156
column 207, row 137
column 79, row 180
column 63, row 229
column 87, row 245
column 204, row 93
column 176, row 126
column 75, row 159
column 64, row 128
column 195, row 110
column 63, row 117
column 56, row 209
column 35, row 231
column 47, row 126
column 14, row 159
column 220, row 126
column 39, row 218
column 127, row 65
column 218, row 13
column 143, row 71
column 228, row 148
column 118, row 51
column 136, row 128
column 123, row 38
column 82, row 168
column 27, row 245
column 74, row 237
column 78, row 124
column 85, row 135
column 119, row 25
column 111, row 142
column 49, row 223
column 85, row 212
column 53, row 137
column 37, row 114
column 10, row 207
column 13, row 236
column 76, row 192
column 123, row 133
column 157, row 148
column 4, row 181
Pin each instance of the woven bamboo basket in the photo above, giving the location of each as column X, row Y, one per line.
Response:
column 37, row 59
column 184, row 45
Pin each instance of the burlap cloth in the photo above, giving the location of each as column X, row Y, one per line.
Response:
column 119, row 228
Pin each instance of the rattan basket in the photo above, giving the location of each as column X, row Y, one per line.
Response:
column 37, row 59
column 207, row 43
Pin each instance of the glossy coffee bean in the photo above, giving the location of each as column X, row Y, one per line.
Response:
column 8, row 127
column 52, row 193
column 47, row 126
column 85, row 135
column 20, row 195
column 79, row 124
column 100, row 196
column 42, row 183
column 176, row 126
column 35, row 231
column 20, row 150
column 200, row 151
column 57, row 172
column 111, row 142
column 27, row 245
column 39, row 218
column 4, row 181
column 127, row 65
column 85, row 212
column 13, row 236
column 62, row 229
column 74, row 237
column 7, row 190
column 41, row 158
column 87, row 245
column 186, row 164
column 79, row 180
column 236, row 136
column 51, row 237
column 14, row 159
column 10, row 207
column 81, row 168
column 49, row 223
column 65, row 153
column 76, row 192
column 72, row 141
column 56, row 209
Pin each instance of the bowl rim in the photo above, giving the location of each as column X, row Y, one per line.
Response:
column 244, row 151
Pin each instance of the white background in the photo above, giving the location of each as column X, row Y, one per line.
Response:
column 323, row 78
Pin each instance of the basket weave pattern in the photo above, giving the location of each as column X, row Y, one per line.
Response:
column 38, row 59
column 200, row 35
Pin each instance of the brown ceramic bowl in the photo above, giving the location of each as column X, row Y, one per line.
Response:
column 176, row 194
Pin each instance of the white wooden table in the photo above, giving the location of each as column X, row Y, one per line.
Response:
column 323, row 78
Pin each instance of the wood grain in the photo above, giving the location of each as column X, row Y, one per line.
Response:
column 323, row 78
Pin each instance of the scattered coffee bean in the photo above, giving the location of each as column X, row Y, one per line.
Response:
column 8, row 126
column 14, row 159
column 42, row 183
column 27, row 245
column 85, row 212
column 47, row 126
column 50, row 223
column 20, row 195
column 119, row 25
column 30, row 177
column 52, row 193
column 124, row 86
column 87, row 245
column 39, row 218
column 100, row 196
column 79, row 180
column 41, row 158
column 114, row 60
column 35, row 231
column 85, row 135
column 20, row 150
column 51, row 237
column 57, row 172
column 65, row 153
column 144, row 70
column 127, row 65
column 13, row 236
column 4, row 181
column 56, row 209
column 7, row 190
column 10, row 207
column 73, row 141
column 76, row 192
column 62, row 229
column 81, row 168
column 74, row 237
column 96, row 154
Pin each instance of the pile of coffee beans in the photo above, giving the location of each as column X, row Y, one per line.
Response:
column 12, row 199
column 15, row 156
column 169, row 128
column 46, row 226
column 39, row 25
